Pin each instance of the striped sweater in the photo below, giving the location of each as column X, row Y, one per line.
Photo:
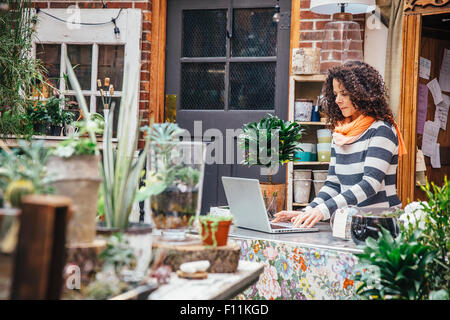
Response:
column 363, row 173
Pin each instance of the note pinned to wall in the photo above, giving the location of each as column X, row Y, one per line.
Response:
column 435, row 90
column 424, row 68
column 436, row 157
column 422, row 106
column 441, row 113
column 444, row 75
column 430, row 136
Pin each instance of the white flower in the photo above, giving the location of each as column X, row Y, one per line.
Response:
column 65, row 152
column 414, row 213
column 91, row 125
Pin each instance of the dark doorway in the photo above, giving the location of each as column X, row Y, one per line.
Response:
column 227, row 62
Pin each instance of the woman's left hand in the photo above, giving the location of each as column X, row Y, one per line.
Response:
column 307, row 219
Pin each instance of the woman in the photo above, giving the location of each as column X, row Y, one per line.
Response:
column 365, row 148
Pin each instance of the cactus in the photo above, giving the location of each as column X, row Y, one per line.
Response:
column 17, row 189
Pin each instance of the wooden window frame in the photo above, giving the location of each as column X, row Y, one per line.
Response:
column 52, row 31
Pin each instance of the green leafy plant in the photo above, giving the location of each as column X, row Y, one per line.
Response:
column 27, row 162
column 15, row 123
column 436, row 233
column 394, row 269
column 77, row 144
column 39, row 117
column 259, row 141
column 164, row 139
column 120, row 171
column 59, row 116
column 19, row 71
column 118, row 253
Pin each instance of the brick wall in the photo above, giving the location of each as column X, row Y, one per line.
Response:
column 312, row 25
column 145, row 6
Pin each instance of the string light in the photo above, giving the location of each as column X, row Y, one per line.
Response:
column 113, row 21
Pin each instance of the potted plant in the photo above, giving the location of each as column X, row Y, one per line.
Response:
column 74, row 171
column 215, row 229
column 121, row 171
column 269, row 143
column 19, row 70
column 38, row 115
column 59, row 117
column 415, row 265
column 174, row 181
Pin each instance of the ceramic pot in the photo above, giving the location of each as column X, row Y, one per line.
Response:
column 78, row 177
column 139, row 237
column 270, row 188
column 218, row 233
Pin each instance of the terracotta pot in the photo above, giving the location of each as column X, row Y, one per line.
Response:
column 270, row 188
column 78, row 177
column 221, row 234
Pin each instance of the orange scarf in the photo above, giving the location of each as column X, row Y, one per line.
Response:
column 348, row 131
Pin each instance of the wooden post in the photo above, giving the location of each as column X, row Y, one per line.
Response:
column 40, row 256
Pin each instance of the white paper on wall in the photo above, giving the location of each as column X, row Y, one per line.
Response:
column 424, row 68
column 429, row 138
column 435, row 89
column 444, row 75
column 441, row 113
column 436, row 157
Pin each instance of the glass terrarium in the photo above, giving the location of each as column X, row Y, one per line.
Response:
column 175, row 173
column 341, row 43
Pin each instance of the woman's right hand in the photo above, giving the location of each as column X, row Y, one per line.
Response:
column 285, row 216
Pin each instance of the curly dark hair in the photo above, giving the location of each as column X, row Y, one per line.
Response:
column 365, row 87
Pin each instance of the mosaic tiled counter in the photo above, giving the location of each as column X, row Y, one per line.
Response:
column 299, row 266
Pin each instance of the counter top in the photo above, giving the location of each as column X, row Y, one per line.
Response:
column 321, row 239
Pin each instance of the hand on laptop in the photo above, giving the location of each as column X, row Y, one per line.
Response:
column 307, row 219
column 285, row 216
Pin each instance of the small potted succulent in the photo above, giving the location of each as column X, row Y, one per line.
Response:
column 215, row 229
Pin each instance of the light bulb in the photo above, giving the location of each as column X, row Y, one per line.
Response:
column 276, row 16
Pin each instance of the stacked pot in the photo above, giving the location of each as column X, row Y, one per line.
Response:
column 303, row 182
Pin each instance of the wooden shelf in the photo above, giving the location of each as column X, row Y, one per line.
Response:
column 309, row 77
column 299, row 204
column 311, row 123
column 310, row 163
column 49, row 141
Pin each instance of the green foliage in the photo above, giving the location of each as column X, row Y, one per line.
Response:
column 100, row 205
column 75, row 146
column 258, row 135
column 164, row 139
column 394, row 269
column 118, row 253
column 437, row 233
column 19, row 72
column 56, row 112
column 27, row 162
column 15, row 123
column 38, row 113
column 120, row 170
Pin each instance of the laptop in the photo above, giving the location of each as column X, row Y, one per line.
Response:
column 247, row 206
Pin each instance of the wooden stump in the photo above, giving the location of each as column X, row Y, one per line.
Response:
column 85, row 257
column 223, row 259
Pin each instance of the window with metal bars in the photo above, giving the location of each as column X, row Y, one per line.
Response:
column 223, row 70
